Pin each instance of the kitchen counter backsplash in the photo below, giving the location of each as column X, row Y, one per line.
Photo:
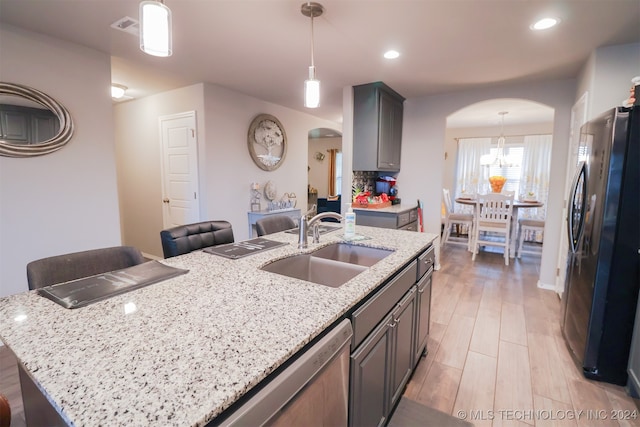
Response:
column 181, row 351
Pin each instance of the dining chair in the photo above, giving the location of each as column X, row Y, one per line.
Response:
column 493, row 215
column 451, row 218
column 273, row 224
column 528, row 225
column 72, row 266
column 191, row 237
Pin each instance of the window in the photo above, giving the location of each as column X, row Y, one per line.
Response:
column 514, row 151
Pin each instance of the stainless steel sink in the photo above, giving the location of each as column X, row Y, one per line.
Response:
column 315, row 269
column 352, row 254
column 332, row 265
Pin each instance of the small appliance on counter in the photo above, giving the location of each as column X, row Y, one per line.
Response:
column 387, row 184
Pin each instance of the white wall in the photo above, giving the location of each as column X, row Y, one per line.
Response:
column 423, row 143
column 607, row 77
column 65, row 201
column 230, row 170
column 319, row 170
column 225, row 166
column 138, row 149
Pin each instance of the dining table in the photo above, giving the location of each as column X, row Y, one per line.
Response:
column 517, row 205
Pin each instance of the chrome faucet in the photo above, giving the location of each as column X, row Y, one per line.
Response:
column 304, row 224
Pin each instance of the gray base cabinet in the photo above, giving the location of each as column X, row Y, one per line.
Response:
column 370, row 370
column 403, row 348
column 406, row 219
column 390, row 336
column 423, row 316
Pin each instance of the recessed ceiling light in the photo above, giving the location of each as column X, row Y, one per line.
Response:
column 391, row 54
column 117, row 91
column 544, row 23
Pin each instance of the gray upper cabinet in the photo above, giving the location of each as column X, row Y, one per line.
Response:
column 25, row 125
column 377, row 127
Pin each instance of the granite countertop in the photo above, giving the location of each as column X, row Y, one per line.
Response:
column 180, row 352
column 394, row 209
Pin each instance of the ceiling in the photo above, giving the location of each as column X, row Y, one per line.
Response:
column 262, row 47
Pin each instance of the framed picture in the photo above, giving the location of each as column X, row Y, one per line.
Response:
column 267, row 142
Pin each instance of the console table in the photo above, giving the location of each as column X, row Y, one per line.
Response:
column 254, row 216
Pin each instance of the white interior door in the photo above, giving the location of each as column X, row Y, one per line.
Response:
column 578, row 118
column 180, row 193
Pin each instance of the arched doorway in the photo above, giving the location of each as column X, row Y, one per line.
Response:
column 324, row 167
column 524, row 133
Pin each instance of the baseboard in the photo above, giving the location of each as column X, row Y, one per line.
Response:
column 149, row 256
column 546, row 286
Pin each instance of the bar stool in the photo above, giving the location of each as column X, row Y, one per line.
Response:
column 524, row 225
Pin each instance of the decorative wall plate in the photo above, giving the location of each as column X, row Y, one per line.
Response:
column 267, row 142
column 270, row 191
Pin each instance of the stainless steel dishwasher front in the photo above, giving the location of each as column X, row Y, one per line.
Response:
column 313, row 390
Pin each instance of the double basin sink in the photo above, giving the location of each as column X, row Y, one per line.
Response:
column 332, row 265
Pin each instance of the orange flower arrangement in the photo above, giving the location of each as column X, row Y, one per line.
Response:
column 497, row 182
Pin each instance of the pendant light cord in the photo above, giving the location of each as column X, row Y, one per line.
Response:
column 312, row 42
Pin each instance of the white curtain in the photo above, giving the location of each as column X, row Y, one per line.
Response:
column 470, row 177
column 534, row 178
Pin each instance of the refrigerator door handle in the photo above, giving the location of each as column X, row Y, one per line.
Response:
column 580, row 178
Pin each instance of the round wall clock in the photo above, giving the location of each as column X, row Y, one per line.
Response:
column 267, row 142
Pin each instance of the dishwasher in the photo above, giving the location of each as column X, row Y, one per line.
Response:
column 312, row 390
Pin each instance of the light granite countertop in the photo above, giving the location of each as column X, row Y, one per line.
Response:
column 179, row 352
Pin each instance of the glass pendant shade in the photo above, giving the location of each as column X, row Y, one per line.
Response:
column 312, row 90
column 155, row 28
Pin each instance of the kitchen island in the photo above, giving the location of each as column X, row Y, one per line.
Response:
column 180, row 352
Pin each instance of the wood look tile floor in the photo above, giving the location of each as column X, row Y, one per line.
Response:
column 496, row 354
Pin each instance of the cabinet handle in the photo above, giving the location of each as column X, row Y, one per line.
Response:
column 421, row 291
column 392, row 325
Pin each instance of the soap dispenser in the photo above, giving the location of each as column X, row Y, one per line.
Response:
column 349, row 223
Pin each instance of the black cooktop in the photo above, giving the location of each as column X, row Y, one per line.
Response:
column 241, row 249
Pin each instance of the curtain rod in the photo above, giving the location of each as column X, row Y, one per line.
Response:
column 506, row 136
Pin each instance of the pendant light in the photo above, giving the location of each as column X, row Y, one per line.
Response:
column 312, row 85
column 155, row 28
column 499, row 160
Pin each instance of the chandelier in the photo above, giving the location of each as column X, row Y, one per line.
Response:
column 499, row 159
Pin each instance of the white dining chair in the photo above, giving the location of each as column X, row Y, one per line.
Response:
column 451, row 218
column 492, row 225
column 528, row 225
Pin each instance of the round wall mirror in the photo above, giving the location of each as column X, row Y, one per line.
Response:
column 31, row 122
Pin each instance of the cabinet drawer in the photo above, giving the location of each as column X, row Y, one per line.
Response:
column 412, row 226
column 425, row 262
column 365, row 318
column 404, row 218
column 407, row 217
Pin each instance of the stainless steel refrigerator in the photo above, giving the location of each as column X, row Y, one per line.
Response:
column 602, row 281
